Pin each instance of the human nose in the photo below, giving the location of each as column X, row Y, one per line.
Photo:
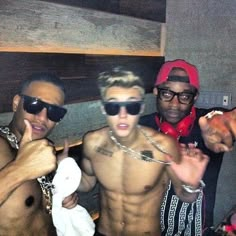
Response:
column 175, row 100
column 42, row 115
column 123, row 112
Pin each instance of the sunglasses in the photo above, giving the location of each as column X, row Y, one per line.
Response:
column 132, row 108
column 167, row 95
column 34, row 106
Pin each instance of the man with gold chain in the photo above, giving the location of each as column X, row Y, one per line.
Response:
column 27, row 157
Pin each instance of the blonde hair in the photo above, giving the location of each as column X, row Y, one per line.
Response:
column 120, row 78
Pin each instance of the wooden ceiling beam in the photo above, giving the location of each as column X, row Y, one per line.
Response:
column 38, row 26
column 145, row 9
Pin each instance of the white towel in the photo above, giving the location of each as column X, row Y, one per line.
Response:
column 75, row 221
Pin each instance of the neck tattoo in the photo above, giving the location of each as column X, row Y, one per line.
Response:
column 144, row 156
column 44, row 182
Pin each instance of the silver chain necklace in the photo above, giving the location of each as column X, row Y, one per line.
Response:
column 44, row 182
column 138, row 155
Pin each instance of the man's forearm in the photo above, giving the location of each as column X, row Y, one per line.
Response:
column 87, row 183
column 184, row 191
column 184, row 195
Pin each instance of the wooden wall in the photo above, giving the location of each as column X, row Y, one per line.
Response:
column 79, row 72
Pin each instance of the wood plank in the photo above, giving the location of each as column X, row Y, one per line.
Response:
column 38, row 26
column 145, row 9
column 79, row 72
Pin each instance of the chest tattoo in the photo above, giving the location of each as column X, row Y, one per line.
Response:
column 104, row 151
column 146, row 155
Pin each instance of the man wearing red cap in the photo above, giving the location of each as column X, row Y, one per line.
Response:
column 176, row 90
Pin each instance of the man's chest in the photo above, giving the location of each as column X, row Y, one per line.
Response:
column 125, row 173
column 23, row 202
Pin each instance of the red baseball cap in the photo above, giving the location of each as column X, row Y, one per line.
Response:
column 190, row 69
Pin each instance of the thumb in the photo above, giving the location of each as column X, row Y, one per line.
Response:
column 64, row 153
column 27, row 136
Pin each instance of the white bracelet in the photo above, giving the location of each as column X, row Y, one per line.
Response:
column 191, row 189
column 213, row 113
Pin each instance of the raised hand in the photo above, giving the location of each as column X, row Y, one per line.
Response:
column 34, row 158
column 192, row 166
column 219, row 130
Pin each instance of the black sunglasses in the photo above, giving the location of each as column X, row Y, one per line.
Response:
column 167, row 95
column 113, row 108
column 34, row 106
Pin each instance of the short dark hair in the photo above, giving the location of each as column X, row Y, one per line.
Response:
column 44, row 77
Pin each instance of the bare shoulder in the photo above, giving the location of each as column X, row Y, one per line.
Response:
column 94, row 138
column 97, row 135
column 165, row 142
column 158, row 136
column 7, row 152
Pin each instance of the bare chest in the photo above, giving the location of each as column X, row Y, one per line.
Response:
column 22, row 203
column 124, row 173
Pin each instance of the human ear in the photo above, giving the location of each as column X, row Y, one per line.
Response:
column 196, row 97
column 103, row 110
column 155, row 91
column 142, row 108
column 15, row 102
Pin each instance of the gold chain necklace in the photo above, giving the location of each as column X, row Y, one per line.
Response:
column 138, row 155
column 44, row 182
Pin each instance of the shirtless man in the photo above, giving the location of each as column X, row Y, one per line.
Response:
column 37, row 109
column 133, row 164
